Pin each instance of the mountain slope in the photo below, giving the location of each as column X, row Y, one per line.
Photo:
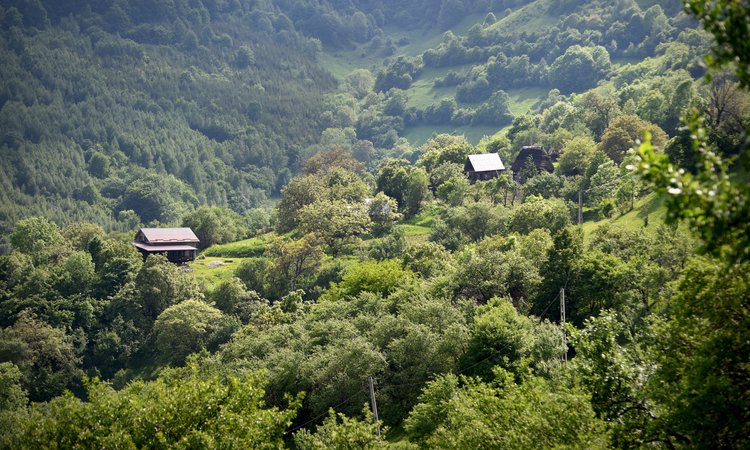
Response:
column 128, row 112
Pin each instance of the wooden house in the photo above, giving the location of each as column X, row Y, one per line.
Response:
column 179, row 245
column 540, row 157
column 483, row 167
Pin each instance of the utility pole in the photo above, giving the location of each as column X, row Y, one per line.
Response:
column 580, row 205
column 562, row 324
column 374, row 404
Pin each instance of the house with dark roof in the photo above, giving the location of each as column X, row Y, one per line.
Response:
column 535, row 154
column 179, row 245
column 483, row 167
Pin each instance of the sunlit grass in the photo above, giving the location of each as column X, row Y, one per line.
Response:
column 651, row 206
column 419, row 135
column 522, row 99
column 529, row 18
column 210, row 277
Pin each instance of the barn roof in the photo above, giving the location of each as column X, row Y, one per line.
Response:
column 485, row 162
column 168, row 235
column 541, row 159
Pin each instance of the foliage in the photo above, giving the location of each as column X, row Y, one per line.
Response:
column 232, row 298
column 383, row 212
column 534, row 213
column 121, row 115
column 45, row 355
column 293, row 260
column 389, row 246
column 444, row 148
column 342, row 432
column 713, row 206
column 185, row 328
column 252, row 272
column 702, row 383
column 427, row 259
column 337, row 222
column 12, row 395
column 500, row 336
column 299, row 193
column 180, row 409
column 247, row 248
column 544, row 185
column 160, row 285
column 500, row 267
column 725, row 20
column 503, row 414
column 214, row 225
column 557, row 271
column 495, row 111
column 579, row 68
column 36, row 237
column 453, row 191
column 321, row 163
column 157, row 198
column 381, row 278
column 392, row 179
column 576, row 156
column 416, row 192
column 624, row 132
column 121, row 132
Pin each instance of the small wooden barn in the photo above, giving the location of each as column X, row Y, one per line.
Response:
column 179, row 245
column 537, row 153
column 483, row 167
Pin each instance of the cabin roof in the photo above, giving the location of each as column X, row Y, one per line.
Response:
column 168, row 235
column 541, row 159
column 485, row 162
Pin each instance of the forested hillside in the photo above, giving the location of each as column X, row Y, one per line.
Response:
column 121, row 113
column 592, row 295
column 128, row 112
column 200, row 102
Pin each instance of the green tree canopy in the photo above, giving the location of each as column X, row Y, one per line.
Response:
column 623, row 132
column 214, row 225
column 182, row 408
column 185, row 328
column 46, row 356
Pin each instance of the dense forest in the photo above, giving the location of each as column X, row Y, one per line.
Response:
column 127, row 113
column 592, row 296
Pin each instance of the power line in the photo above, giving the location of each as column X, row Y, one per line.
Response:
column 548, row 305
column 335, row 407
column 562, row 324
column 374, row 404
column 493, row 354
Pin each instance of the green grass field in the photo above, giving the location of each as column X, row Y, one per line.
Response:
column 419, row 135
column 649, row 206
column 423, row 92
column 528, row 18
column 341, row 62
column 421, row 40
column 521, row 100
column 210, row 277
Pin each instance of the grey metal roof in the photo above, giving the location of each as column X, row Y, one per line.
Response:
column 486, row 162
column 168, row 235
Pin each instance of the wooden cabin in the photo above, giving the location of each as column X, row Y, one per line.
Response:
column 483, row 167
column 179, row 245
column 542, row 160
